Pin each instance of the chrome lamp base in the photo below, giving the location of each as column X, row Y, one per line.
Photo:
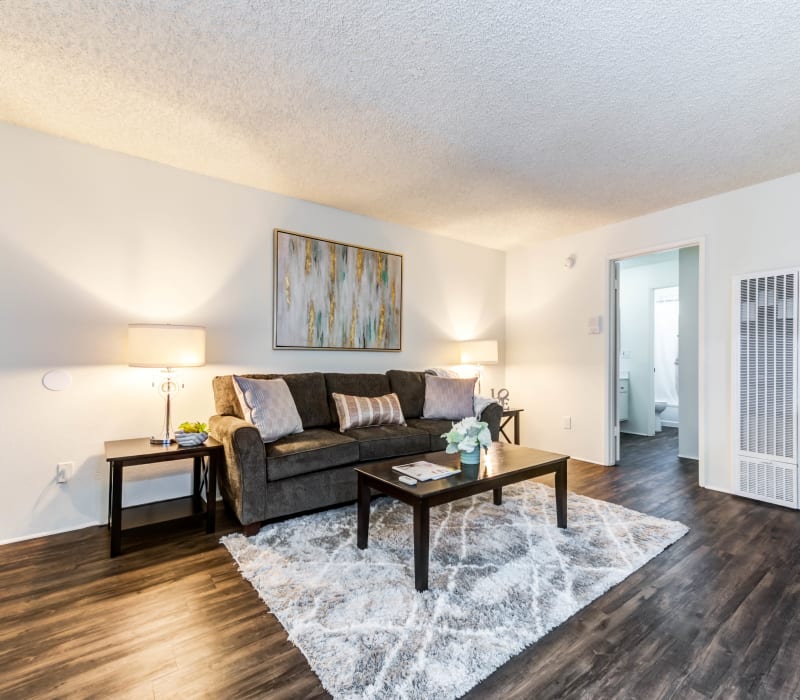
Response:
column 167, row 388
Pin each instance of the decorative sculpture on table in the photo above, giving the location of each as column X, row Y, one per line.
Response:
column 502, row 397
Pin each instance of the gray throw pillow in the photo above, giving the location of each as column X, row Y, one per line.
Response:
column 448, row 398
column 268, row 404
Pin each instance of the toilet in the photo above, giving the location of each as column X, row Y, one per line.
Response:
column 660, row 408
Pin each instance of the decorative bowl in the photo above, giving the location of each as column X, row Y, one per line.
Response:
column 190, row 439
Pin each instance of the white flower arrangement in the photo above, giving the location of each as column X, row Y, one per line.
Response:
column 468, row 434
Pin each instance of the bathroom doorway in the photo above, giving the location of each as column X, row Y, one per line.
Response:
column 656, row 355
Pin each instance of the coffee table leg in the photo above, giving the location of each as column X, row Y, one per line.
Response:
column 561, row 494
column 498, row 496
column 363, row 514
column 421, row 545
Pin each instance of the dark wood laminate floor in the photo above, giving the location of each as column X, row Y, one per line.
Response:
column 715, row 616
column 643, row 449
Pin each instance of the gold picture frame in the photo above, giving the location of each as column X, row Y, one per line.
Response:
column 330, row 295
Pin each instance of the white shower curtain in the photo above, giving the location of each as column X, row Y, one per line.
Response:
column 665, row 355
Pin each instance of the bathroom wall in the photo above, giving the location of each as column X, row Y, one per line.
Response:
column 666, row 307
column 638, row 277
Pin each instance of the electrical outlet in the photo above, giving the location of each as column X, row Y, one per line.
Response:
column 63, row 472
column 566, row 422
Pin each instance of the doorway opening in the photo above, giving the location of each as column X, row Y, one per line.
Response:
column 655, row 355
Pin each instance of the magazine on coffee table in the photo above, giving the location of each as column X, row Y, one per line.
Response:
column 425, row 471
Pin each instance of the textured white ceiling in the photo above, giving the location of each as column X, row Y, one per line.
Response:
column 492, row 122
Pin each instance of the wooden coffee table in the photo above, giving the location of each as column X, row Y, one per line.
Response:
column 504, row 464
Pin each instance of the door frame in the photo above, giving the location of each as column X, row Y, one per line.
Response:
column 611, row 359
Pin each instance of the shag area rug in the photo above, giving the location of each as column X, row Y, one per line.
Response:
column 500, row 578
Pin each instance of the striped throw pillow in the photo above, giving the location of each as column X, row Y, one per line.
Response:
column 361, row 411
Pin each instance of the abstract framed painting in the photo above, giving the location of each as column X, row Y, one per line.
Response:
column 335, row 296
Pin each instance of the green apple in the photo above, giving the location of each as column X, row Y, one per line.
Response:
column 189, row 427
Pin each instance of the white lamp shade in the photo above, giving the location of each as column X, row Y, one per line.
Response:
column 164, row 345
column 479, row 352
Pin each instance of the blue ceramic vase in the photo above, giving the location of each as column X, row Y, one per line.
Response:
column 471, row 457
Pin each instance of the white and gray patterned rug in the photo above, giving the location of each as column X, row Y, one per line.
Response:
column 500, row 578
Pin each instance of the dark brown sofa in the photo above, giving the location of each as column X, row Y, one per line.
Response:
column 314, row 469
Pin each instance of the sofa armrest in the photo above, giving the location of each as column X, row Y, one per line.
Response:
column 492, row 415
column 243, row 479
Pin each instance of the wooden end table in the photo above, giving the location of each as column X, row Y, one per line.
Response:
column 126, row 453
column 510, row 414
column 505, row 464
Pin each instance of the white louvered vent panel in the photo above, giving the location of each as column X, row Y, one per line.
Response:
column 768, row 481
column 765, row 374
column 766, row 365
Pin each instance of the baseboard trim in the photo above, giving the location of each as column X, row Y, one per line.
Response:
column 720, row 490
column 48, row 533
column 62, row 530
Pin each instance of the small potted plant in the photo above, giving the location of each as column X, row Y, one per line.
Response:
column 191, row 434
column 467, row 437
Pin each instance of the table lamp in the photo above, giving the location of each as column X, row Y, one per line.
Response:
column 167, row 347
column 479, row 352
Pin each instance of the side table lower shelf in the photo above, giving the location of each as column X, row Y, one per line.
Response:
column 144, row 514
column 125, row 453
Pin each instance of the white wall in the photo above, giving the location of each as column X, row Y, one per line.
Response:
column 91, row 240
column 638, row 278
column 556, row 369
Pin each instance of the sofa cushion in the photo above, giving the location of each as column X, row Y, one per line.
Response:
column 434, row 428
column 448, row 398
column 356, row 384
column 361, row 411
column 384, row 441
column 268, row 404
column 311, row 397
column 310, row 451
column 308, row 392
column 410, row 389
